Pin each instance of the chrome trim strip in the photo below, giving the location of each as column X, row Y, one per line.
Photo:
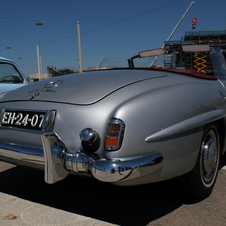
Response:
column 187, row 125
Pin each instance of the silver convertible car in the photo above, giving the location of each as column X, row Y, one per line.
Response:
column 156, row 116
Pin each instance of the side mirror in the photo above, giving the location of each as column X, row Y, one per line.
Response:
column 196, row 48
column 153, row 52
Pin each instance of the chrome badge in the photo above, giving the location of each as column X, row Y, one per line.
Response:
column 34, row 95
column 53, row 84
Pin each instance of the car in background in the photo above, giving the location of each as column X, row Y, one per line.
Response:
column 156, row 116
column 11, row 77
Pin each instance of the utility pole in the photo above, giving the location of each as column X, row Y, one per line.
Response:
column 79, row 48
column 39, row 62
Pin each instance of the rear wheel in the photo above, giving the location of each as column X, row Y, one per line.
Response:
column 204, row 174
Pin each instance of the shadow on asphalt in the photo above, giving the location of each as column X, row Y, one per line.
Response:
column 117, row 205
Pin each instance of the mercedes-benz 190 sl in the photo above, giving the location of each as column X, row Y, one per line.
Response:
column 156, row 116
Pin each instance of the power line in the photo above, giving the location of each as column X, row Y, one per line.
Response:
column 11, row 18
column 60, row 54
column 120, row 21
column 94, row 29
column 132, row 17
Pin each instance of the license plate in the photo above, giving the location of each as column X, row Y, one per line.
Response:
column 23, row 119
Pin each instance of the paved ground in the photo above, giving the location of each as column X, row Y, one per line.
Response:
column 26, row 200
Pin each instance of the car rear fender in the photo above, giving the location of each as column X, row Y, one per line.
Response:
column 169, row 120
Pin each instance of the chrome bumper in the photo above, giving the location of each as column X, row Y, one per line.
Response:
column 58, row 162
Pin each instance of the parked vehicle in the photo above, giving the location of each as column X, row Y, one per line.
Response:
column 159, row 117
column 11, row 77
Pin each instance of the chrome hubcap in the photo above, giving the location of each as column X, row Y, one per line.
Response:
column 209, row 157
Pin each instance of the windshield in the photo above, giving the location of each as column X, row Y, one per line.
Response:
column 207, row 61
column 9, row 74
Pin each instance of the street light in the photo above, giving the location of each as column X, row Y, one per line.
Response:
column 39, row 23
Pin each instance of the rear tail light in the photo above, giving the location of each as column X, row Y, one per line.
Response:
column 114, row 134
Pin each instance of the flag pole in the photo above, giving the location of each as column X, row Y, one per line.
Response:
column 174, row 30
column 179, row 22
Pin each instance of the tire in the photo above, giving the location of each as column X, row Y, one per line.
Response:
column 204, row 174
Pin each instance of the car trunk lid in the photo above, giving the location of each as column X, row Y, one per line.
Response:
column 82, row 88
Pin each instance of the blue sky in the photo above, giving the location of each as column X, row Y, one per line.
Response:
column 109, row 28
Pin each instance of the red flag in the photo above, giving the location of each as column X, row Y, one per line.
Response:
column 194, row 22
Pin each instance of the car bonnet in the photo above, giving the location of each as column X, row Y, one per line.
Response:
column 81, row 88
column 9, row 87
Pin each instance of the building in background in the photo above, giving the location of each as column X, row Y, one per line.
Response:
column 34, row 77
column 200, row 61
column 213, row 38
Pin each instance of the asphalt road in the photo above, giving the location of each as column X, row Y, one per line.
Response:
column 25, row 199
